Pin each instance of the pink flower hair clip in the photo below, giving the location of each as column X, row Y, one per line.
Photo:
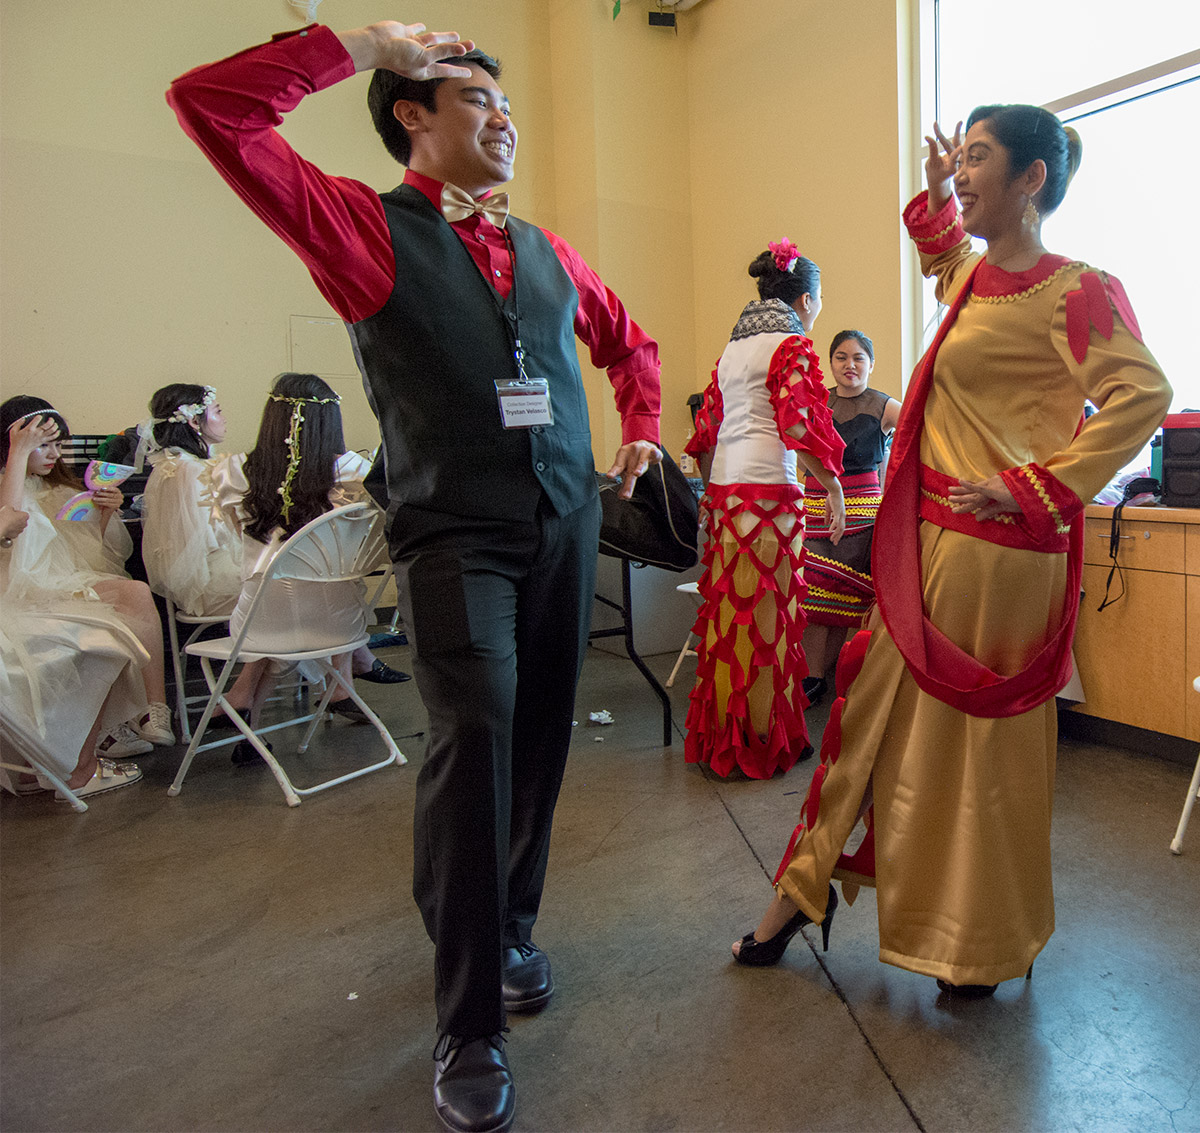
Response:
column 786, row 254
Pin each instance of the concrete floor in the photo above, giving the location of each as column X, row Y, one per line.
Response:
column 219, row 961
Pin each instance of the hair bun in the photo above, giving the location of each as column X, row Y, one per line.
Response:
column 762, row 264
column 1074, row 151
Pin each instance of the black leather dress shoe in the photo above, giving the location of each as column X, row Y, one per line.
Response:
column 472, row 1085
column 527, row 982
column 382, row 673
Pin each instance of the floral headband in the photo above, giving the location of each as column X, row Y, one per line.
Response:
column 148, row 444
column 188, row 413
column 786, row 254
column 292, row 444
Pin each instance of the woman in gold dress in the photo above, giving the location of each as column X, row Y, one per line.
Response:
column 944, row 734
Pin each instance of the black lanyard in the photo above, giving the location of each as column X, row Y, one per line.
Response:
column 513, row 323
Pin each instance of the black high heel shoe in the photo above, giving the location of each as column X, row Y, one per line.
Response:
column 764, row 953
column 974, row 991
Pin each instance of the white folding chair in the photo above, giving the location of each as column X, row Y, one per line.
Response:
column 37, row 757
column 692, row 588
column 336, row 547
column 1190, row 801
column 182, row 700
column 380, row 564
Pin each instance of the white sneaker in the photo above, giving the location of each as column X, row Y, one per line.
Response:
column 155, row 725
column 121, row 743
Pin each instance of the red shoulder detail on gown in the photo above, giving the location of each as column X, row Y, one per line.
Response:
column 1124, row 308
column 1092, row 305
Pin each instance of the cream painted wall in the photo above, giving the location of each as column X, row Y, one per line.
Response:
column 799, row 139
column 621, row 158
column 126, row 262
column 668, row 160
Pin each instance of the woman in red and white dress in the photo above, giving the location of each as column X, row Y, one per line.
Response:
column 764, row 411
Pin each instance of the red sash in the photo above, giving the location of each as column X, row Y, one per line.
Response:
column 940, row 667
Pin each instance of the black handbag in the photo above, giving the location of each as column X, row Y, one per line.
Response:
column 659, row 525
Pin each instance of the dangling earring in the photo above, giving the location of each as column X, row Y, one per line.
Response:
column 1031, row 216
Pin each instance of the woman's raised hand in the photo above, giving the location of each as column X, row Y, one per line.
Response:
column 25, row 436
column 941, row 165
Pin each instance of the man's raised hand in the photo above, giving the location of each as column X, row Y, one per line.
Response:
column 407, row 49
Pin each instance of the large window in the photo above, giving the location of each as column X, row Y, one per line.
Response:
column 1128, row 78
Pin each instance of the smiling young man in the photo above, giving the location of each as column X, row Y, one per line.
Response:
column 463, row 322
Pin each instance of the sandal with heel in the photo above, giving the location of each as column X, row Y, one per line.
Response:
column 764, row 953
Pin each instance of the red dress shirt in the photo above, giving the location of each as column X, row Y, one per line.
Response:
column 336, row 225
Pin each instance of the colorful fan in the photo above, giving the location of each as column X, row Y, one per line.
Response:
column 79, row 508
column 99, row 474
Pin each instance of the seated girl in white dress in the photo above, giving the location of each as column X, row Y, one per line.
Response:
column 189, row 558
column 67, row 604
column 298, row 470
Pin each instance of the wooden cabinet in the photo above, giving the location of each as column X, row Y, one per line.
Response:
column 1137, row 658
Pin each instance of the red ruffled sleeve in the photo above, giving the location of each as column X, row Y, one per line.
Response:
column 933, row 234
column 708, row 421
column 799, row 397
column 1048, row 506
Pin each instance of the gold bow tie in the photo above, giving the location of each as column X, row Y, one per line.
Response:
column 458, row 205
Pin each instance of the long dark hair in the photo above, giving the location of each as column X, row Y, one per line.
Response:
column 1030, row 133
column 179, row 434
column 775, row 283
column 320, row 443
column 23, row 405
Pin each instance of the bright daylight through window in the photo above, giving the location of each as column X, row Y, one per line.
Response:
column 1128, row 78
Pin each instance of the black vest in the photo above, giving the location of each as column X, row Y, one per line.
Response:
column 431, row 357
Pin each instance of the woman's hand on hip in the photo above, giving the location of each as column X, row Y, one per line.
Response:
column 985, row 500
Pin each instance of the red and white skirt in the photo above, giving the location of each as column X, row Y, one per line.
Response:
column 747, row 708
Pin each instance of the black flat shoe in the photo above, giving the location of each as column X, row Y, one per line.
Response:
column 382, row 673
column 244, row 753
column 527, row 981
column 472, row 1085
column 764, row 953
column 814, row 689
column 348, row 710
column 218, row 723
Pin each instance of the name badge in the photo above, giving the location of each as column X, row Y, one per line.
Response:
column 526, row 403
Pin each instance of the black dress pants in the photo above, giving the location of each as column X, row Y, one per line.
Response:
column 497, row 614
